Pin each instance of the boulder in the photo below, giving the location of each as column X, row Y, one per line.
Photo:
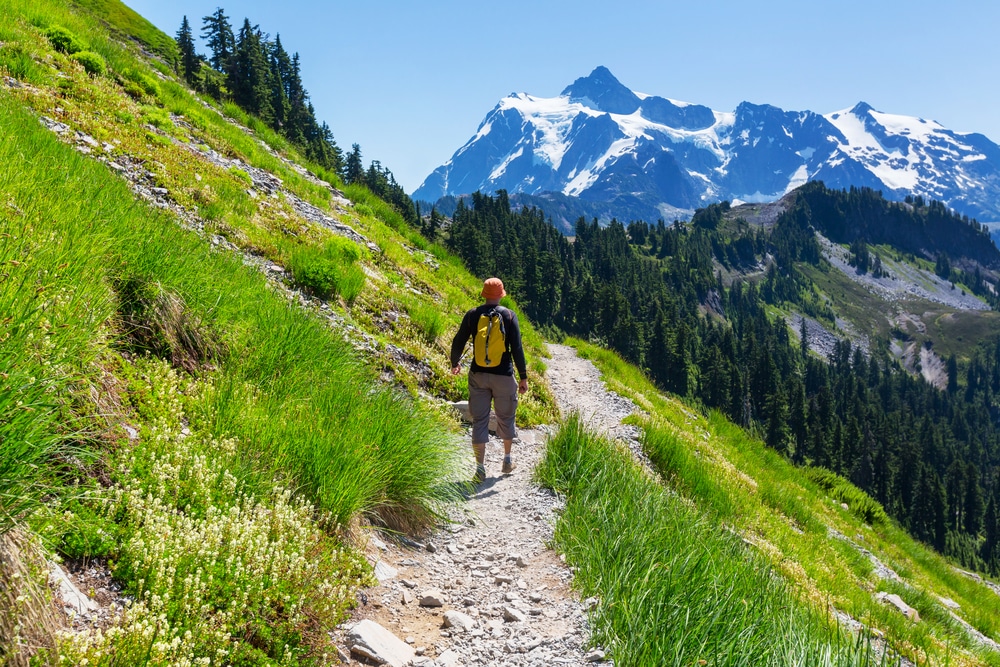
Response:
column 448, row 659
column 75, row 602
column 462, row 410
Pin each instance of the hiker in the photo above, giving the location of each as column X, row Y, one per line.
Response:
column 496, row 345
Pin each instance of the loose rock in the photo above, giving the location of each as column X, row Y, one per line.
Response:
column 374, row 642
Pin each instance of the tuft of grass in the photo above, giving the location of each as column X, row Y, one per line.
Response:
column 672, row 588
column 428, row 318
column 685, row 468
column 861, row 504
column 329, row 270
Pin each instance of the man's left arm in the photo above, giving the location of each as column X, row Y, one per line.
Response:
column 517, row 353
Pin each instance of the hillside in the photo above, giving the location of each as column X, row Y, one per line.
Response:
column 224, row 373
column 212, row 359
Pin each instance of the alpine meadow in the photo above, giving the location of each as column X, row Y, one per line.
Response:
column 226, row 402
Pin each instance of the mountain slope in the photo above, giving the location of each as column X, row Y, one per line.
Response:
column 648, row 157
column 209, row 367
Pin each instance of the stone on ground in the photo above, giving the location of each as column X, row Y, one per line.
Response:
column 373, row 642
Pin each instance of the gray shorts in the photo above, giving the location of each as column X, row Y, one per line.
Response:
column 501, row 390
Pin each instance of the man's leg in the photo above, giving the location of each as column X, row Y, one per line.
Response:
column 508, row 462
column 480, row 397
column 505, row 404
column 479, row 449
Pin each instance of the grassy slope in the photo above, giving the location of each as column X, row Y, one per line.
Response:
column 948, row 330
column 255, row 395
column 735, row 480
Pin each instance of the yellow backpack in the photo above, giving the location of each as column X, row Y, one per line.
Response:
column 490, row 341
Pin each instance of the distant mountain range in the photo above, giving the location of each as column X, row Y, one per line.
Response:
column 604, row 150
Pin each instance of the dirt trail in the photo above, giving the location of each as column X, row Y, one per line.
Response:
column 492, row 563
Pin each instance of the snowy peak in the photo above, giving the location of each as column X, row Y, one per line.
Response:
column 645, row 156
column 603, row 92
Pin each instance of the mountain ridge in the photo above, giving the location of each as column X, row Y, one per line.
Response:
column 646, row 156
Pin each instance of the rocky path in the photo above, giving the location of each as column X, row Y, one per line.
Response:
column 486, row 590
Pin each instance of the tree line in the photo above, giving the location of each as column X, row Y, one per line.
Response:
column 653, row 293
column 257, row 73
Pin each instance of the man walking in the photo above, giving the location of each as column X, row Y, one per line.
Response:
column 496, row 345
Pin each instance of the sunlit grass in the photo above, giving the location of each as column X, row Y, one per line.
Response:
column 787, row 516
column 673, row 589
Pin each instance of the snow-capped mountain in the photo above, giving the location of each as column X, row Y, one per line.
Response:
column 649, row 156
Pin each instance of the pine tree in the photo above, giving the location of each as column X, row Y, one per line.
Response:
column 190, row 64
column 354, row 170
column 250, row 73
column 804, row 337
column 298, row 114
column 281, row 66
column 777, row 436
column 973, row 501
column 433, row 224
column 218, row 35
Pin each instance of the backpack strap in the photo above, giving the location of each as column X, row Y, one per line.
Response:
column 505, row 319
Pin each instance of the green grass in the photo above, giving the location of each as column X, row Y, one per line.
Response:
column 731, row 475
column 673, row 589
column 298, row 409
column 127, row 22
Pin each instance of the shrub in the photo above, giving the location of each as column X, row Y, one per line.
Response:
column 242, row 176
column 63, row 40
column 92, row 62
column 86, row 533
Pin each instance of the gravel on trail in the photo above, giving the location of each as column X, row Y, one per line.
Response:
column 485, row 589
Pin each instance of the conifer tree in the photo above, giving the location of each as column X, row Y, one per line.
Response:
column 354, row 171
column 190, row 64
column 973, row 501
column 249, row 74
column 218, row 35
column 280, row 65
column 297, row 101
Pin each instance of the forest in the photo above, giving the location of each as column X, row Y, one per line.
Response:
column 654, row 294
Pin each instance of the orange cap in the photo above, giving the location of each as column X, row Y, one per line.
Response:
column 493, row 289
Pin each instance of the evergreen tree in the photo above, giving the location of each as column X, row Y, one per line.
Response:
column 190, row 64
column 281, row 65
column 218, row 35
column 249, row 78
column 354, row 170
column 974, row 506
column 433, row 224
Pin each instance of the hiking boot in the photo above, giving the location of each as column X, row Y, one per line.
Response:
column 480, row 475
column 508, row 465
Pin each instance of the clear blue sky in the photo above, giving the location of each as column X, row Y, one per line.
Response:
column 411, row 81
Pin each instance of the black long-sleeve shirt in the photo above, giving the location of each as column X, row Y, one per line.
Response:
column 514, row 355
